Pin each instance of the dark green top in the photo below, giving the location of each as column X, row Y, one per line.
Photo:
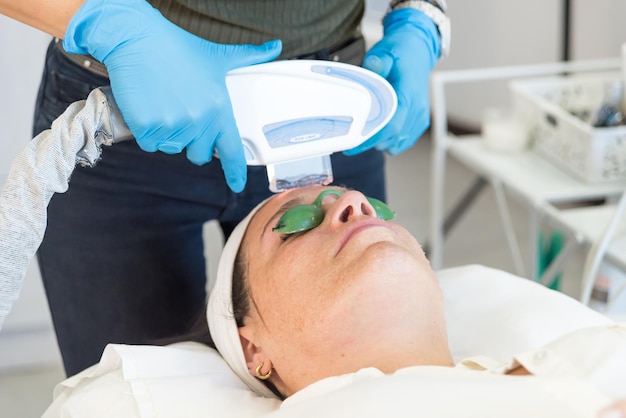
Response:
column 304, row 26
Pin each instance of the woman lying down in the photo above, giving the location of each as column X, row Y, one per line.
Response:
column 323, row 307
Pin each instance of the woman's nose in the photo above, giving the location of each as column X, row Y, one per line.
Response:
column 351, row 204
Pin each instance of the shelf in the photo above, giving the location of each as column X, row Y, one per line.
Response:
column 527, row 174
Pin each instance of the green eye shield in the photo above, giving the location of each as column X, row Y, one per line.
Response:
column 306, row 217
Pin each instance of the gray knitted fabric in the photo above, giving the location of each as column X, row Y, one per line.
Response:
column 42, row 169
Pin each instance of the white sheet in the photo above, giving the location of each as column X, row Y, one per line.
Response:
column 488, row 311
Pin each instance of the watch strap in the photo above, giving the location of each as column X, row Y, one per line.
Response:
column 435, row 10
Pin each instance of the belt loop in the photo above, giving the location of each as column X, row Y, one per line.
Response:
column 87, row 62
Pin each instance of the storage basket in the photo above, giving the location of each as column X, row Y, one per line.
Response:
column 548, row 107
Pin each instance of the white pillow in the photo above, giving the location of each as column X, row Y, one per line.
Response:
column 494, row 313
column 488, row 312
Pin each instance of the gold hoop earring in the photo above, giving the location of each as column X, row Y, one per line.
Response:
column 262, row 376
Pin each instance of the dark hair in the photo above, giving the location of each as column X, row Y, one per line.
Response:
column 240, row 290
column 241, row 302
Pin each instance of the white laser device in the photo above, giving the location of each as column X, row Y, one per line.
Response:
column 292, row 115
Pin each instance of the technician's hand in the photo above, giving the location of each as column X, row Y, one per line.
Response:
column 404, row 56
column 169, row 84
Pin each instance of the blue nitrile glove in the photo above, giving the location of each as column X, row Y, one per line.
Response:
column 168, row 83
column 404, row 56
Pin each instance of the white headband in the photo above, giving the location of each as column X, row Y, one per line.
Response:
column 220, row 315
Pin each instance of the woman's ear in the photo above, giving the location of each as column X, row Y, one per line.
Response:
column 253, row 353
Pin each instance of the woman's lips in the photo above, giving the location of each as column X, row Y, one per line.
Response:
column 356, row 228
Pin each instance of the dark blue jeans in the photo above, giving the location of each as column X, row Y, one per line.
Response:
column 122, row 258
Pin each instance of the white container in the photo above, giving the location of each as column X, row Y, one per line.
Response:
column 503, row 130
column 546, row 105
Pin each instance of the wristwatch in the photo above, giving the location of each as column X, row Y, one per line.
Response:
column 435, row 10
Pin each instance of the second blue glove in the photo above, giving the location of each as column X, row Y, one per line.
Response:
column 405, row 56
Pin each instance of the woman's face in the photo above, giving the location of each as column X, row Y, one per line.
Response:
column 353, row 292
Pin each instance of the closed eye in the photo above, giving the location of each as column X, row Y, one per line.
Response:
column 284, row 208
column 286, row 237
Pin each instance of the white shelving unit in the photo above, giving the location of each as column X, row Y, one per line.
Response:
column 526, row 176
